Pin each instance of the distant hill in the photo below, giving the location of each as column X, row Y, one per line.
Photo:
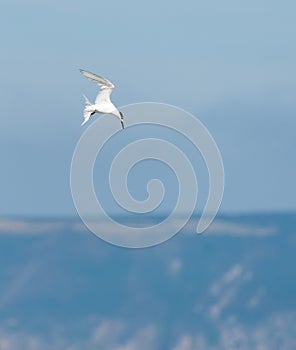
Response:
column 234, row 287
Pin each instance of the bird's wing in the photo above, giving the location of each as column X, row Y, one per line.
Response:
column 99, row 80
column 104, row 95
column 106, row 86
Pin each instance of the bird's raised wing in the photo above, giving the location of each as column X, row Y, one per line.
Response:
column 103, row 96
column 106, row 86
column 99, row 80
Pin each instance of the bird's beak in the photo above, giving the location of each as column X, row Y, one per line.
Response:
column 121, row 120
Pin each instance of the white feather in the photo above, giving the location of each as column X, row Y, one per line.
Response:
column 102, row 103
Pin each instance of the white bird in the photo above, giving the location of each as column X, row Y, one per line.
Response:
column 102, row 103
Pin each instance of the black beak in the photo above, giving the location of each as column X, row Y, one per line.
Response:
column 121, row 120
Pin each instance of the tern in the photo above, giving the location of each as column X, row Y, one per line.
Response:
column 102, row 103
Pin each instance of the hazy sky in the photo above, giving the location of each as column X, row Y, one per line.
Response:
column 231, row 63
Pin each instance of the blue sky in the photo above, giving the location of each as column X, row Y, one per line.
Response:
column 230, row 63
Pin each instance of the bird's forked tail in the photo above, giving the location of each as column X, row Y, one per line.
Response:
column 87, row 101
column 88, row 111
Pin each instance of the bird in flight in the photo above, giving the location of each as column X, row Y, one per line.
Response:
column 102, row 103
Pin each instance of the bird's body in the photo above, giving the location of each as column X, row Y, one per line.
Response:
column 102, row 103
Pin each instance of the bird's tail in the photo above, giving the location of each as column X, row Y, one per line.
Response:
column 87, row 101
column 87, row 110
